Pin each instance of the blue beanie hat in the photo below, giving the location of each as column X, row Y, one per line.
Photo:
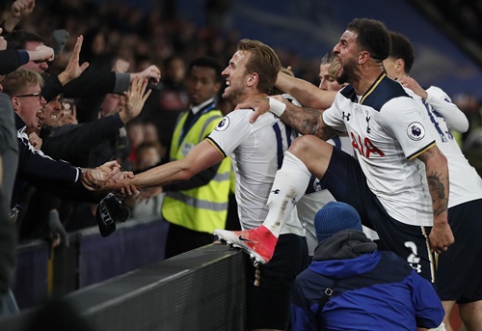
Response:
column 334, row 217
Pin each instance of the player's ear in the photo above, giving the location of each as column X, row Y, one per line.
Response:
column 363, row 57
column 399, row 66
column 253, row 79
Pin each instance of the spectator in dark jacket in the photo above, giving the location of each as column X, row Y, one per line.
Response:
column 350, row 285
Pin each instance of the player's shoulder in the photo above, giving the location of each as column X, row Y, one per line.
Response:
column 383, row 91
column 235, row 118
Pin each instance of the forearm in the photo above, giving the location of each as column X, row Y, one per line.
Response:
column 201, row 179
column 452, row 115
column 203, row 156
column 10, row 24
column 305, row 92
column 438, row 182
column 307, row 121
column 163, row 175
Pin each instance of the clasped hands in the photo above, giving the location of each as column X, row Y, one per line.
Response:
column 109, row 177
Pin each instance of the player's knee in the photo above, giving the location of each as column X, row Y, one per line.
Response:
column 309, row 146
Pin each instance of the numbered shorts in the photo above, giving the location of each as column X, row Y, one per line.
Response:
column 346, row 181
column 269, row 286
column 459, row 270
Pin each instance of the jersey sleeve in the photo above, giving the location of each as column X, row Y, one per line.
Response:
column 333, row 115
column 444, row 107
column 231, row 131
column 402, row 118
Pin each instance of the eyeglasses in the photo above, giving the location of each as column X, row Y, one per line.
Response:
column 37, row 94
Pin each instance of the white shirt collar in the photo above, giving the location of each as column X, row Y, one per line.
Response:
column 196, row 109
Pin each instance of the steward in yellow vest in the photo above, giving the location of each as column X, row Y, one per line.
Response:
column 194, row 208
column 202, row 208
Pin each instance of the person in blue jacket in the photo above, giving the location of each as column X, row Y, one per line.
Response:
column 350, row 285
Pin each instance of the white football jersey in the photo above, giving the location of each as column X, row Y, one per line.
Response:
column 257, row 151
column 388, row 132
column 465, row 182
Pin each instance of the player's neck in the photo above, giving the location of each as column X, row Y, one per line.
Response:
column 252, row 96
column 366, row 78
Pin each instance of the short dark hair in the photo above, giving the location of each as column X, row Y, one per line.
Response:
column 402, row 48
column 263, row 61
column 206, row 62
column 373, row 36
column 19, row 38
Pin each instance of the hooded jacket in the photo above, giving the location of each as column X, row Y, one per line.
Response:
column 372, row 290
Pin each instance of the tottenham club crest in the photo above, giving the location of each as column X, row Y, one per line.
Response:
column 415, row 131
column 223, row 125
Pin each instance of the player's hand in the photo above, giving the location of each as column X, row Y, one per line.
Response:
column 412, row 84
column 96, row 179
column 260, row 107
column 441, row 237
column 121, row 182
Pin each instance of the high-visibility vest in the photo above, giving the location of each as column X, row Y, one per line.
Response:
column 205, row 208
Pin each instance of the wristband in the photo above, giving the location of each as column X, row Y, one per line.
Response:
column 276, row 107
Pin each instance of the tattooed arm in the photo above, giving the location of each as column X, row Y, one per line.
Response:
column 307, row 121
column 436, row 168
column 304, row 120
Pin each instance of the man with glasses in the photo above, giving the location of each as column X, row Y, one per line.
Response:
column 23, row 86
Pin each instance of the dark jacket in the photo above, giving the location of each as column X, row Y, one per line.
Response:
column 57, row 177
column 93, row 83
column 372, row 290
column 11, row 59
column 73, row 143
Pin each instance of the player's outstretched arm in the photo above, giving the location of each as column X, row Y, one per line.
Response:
column 200, row 158
column 436, row 168
column 306, row 93
column 440, row 101
column 304, row 120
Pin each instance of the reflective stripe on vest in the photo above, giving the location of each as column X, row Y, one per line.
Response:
column 204, row 208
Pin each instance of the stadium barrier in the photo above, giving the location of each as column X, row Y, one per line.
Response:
column 203, row 289
column 89, row 259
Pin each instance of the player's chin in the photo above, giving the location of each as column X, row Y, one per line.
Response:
column 226, row 93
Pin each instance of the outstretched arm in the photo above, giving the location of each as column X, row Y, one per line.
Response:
column 441, row 103
column 304, row 120
column 441, row 236
column 200, row 158
column 306, row 93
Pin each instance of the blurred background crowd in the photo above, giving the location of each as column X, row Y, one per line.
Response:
column 157, row 33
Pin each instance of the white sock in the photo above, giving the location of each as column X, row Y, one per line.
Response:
column 288, row 187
